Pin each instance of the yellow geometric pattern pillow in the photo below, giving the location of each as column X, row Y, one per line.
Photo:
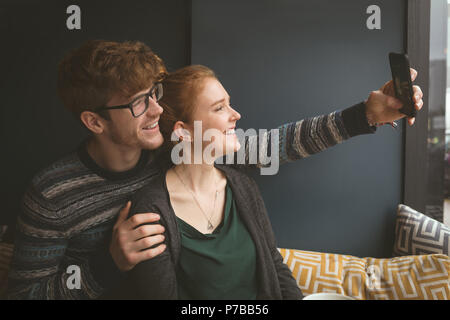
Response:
column 424, row 277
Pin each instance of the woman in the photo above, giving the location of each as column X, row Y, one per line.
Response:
column 220, row 243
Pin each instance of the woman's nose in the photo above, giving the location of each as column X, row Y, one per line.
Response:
column 238, row 115
column 235, row 115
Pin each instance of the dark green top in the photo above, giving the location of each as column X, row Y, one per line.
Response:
column 219, row 265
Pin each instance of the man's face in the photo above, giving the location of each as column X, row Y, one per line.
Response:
column 125, row 130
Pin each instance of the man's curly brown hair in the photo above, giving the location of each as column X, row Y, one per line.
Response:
column 89, row 76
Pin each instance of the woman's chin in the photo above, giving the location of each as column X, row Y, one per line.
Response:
column 227, row 150
column 232, row 149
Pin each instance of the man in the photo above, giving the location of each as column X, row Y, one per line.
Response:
column 74, row 214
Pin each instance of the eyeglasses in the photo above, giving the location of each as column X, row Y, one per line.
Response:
column 140, row 104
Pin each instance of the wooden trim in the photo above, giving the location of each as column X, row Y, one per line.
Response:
column 423, row 187
column 415, row 143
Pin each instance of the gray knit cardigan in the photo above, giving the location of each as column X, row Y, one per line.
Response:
column 156, row 278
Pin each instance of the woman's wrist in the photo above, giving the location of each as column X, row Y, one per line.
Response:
column 356, row 121
column 370, row 117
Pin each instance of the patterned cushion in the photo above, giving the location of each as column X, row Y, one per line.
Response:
column 416, row 233
column 423, row 277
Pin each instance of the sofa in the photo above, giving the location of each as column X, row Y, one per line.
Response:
column 420, row 268
column 421, row 277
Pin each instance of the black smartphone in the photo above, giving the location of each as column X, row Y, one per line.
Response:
column 401, row 76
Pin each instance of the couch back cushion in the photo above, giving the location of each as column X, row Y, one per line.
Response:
column 416, row 233
column 423, row 277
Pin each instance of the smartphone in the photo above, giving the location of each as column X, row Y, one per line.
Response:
column 401, row 76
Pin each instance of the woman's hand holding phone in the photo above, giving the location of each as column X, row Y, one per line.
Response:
column 383, row 107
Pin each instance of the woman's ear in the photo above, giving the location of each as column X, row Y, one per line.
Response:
column 92, row 121
column 181, row 132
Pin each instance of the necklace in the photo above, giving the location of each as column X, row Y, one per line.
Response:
column 210, row 225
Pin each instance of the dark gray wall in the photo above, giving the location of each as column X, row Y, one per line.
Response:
column 35, row 127
column 280, row 61
column 285, row 60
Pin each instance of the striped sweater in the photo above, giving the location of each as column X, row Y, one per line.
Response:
column 69, row 209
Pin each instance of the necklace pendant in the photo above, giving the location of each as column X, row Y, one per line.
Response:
column 210, row 226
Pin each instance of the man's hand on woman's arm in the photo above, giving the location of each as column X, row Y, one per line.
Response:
column 131, row 236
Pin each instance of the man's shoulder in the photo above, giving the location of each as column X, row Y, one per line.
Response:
column 66, row 168
column 39, row 198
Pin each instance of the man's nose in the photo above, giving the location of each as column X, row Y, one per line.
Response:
column 154, row 109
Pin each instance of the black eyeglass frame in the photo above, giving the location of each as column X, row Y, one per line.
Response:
column 149, row 95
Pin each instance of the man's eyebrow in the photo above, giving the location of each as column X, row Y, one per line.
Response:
column 139, row 95
column 135, row 97
column 132, row 98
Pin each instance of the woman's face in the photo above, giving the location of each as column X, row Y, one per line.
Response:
column 218, row 118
